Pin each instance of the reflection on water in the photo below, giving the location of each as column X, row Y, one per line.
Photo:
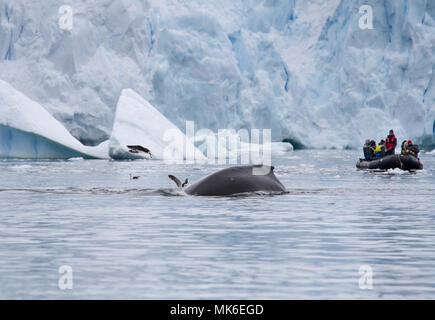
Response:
column 146, row 239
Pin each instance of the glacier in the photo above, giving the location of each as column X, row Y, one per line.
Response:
column 303, row 69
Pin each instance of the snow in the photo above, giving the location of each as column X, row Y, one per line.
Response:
column 137, row 122
column 27, row 130
column 303, row 69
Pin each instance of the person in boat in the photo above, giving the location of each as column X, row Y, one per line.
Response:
column 391, row 143
column 369, row 151
column 380, row 150
column 403, row 147
column 408, row 148
column 413, row 149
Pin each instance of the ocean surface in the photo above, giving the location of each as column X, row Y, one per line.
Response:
column 144, row 239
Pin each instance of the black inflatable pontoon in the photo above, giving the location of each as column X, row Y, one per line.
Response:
column 404, row 162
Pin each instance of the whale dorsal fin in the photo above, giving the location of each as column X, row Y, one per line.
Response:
column 185, row 183
column 176, row 180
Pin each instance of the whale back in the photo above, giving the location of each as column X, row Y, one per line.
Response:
column 237, row 180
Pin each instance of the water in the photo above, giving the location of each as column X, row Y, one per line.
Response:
column 142, row 239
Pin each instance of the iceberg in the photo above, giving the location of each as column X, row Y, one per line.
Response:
column 233, row 146
column 137, row 122
column 29, row 131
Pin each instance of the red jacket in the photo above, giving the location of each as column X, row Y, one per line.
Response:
column 391, row 142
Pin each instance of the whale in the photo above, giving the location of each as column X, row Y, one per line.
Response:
column 235, row 180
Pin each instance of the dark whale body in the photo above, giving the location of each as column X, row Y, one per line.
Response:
column 237, row 180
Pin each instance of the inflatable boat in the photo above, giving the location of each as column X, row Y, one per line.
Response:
column 404, row 162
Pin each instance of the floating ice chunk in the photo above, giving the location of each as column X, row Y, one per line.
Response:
column 227, row 144
column 137, row 122
column 29, row 131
